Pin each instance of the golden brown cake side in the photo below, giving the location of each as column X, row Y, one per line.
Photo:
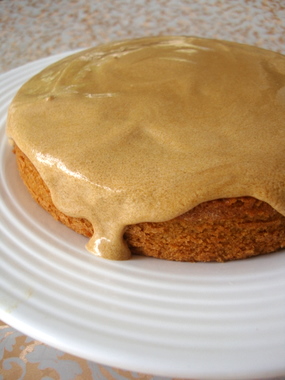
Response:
column 219, row 230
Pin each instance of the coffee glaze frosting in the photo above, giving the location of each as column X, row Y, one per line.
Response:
column 146, row 129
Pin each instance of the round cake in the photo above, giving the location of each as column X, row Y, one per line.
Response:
column 171, row 147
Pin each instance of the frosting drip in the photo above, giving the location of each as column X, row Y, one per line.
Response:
column 146, row 129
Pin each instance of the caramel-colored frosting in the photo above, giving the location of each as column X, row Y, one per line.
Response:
column 146, row 129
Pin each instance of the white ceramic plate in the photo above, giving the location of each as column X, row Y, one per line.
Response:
column 210, row 321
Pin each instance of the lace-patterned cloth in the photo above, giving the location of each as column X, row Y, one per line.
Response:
column 23, row 358
column 30, row 30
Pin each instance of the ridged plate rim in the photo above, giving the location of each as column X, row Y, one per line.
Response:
column 206, row 321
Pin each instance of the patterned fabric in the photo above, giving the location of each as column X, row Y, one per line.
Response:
column 23, row 358
column 30, row 29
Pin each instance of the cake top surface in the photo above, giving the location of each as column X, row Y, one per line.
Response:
column 146, row 129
